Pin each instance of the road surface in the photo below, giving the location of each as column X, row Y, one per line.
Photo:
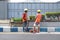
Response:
column 29, row 36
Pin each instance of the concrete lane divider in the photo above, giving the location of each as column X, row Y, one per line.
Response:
column 57, row 29
column 51, row 29
column 20, row 29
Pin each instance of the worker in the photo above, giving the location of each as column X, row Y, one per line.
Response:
column 24, row 18
column 37, row 21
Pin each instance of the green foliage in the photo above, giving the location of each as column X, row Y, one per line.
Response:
column 49, row 14
column 32, row 18
column 52, row 13
column 43, row 17
column 17, row 19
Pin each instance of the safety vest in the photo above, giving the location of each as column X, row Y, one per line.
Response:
column 24, row 17
column 38, row 18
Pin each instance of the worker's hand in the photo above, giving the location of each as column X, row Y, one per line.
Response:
column 23, row 20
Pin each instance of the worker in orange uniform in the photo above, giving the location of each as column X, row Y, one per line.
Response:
column 37, row 21
column 24, row 18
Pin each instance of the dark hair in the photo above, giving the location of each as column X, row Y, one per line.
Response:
column 25, row 11
column 38, row 12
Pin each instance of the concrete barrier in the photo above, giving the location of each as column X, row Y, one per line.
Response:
column 20, row 29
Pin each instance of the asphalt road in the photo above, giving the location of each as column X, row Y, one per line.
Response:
column 29, row 36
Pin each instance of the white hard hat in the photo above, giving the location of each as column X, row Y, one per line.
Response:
column 25, row 9
column 38, row 10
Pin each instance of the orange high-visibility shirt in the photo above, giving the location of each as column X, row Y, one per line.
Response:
column 24, row 17
column 38, row 18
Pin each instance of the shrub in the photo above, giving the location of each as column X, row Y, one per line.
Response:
column 43, row 17
column 32, row 18
column 17, row 19
column 52, row 14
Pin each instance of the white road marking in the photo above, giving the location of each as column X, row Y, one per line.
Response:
column 29, row 33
